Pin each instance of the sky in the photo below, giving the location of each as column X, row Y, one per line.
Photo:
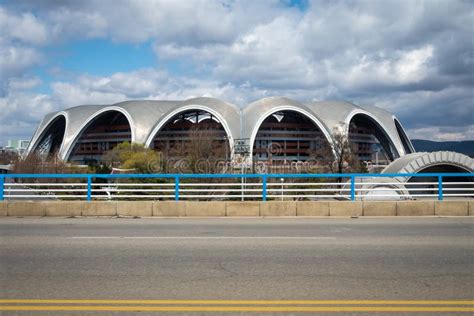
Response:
column 413, row 58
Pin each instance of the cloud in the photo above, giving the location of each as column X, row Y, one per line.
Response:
column 21, row 111
column 146, row 83
column 24, row 27
column 442, row 134
column 185, row 22
column 14, row 62
column 20, row 32
column 414, row 58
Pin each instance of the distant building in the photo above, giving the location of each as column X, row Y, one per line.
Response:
column 4, row 169
column 16, row 145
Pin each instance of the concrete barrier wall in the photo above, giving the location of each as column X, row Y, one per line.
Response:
column 135, row 208
column 63, row 208
column 415, row 208
column 205, row 209
column 274, row 208
column 345, row 208
column 379, row 208
column 3, row 209
column 26, row 209
column 452, row 208
column 243, row 209
column 169, row 209
column 100, row 208
column 312, row 208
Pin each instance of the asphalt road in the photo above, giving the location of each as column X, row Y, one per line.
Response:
column 236, row 259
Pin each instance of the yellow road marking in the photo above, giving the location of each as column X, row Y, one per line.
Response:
column 241, row 308
column 241, row 302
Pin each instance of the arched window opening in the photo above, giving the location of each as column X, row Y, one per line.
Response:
column 369, row 142
column 104, row 133
column 287, row 136
column 193, row 134
column 449, row 183
column 404, row 138
column 51, row 140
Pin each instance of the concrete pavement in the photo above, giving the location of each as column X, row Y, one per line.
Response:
column 237, row 259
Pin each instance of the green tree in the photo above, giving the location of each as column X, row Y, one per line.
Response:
column 135, row 157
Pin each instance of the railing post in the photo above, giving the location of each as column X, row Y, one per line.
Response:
column 2, row 187
column 352, row 188
column 264, row 187
column 89, row 188
column 176, row 188
column 440, row 188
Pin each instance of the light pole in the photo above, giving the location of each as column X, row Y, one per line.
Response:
column 242, row 147
column 282, row 181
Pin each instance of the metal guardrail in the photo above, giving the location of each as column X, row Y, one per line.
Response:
column 236, row 186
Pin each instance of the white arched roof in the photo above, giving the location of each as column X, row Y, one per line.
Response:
column 339, row 113
column 77, row 133
column 255, row 113
column 43, row 127
column 146, row 117
column 391, row 136
column 403, row 135
column 416, row 162
column 183, row 108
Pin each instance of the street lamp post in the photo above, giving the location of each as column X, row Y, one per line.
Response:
column 242, row 147
column 282, row 181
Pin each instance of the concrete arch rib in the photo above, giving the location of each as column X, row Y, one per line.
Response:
column 404, row 139
column 164, row 120
column 299, row 110
column 90, row 120
column 44, row 128
column 390, row 137
column 417, row 162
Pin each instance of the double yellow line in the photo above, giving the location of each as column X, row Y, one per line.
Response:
column 238, row 305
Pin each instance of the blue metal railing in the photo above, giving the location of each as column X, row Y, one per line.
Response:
column 2, row 187
column 263, row 177
column 176, row 188
column 440, row 188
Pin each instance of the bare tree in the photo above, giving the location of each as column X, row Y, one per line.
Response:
column 339, row 156
column 8, row 157
column 202, row 151
column 36, row 163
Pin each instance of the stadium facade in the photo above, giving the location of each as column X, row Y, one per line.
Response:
column 277, row 129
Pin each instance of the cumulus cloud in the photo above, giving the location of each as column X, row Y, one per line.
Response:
column 146, row 83
column 24, row 27
column 21, row 112
column 414, row 58
column 20, row 33
column 186, row 22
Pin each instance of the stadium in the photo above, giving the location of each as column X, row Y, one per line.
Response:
column 290, row 129
column 276, row 131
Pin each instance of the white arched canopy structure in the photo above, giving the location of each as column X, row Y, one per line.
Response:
column 168, row 117
column 407, row 145
column 51, row 138
column 100, row 133
column 195, row 131
column 433, row 162
column 287, row 133
column 369, row 138
column 147, row 118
